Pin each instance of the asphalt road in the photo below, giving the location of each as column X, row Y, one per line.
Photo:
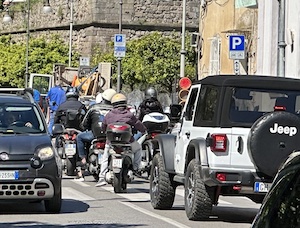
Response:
column 85, row 205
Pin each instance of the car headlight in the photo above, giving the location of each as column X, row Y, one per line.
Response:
column 45, row 153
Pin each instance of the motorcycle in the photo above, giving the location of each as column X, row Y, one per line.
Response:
column 67, row 150
column 96, row 151
column 156, row 123
column 121, row 156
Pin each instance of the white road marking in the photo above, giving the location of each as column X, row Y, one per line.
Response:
column 81, row 183
column 165, row 219
column 134, row 197
column 70, row 193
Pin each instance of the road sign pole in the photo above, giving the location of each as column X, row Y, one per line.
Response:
column 119, row 58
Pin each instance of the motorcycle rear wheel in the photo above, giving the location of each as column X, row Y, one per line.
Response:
column 70, row 166
column 117, row 183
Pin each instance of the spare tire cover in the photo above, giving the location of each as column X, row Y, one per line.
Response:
column 272, row 138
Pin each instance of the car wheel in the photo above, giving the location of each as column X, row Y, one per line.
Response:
column 271, row 139
column 162, row 192
column 198, row 204
column 53, row 205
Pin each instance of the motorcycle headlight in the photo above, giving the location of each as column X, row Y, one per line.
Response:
column 45, row 153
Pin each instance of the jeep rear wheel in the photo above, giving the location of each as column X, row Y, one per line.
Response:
column 271, row 139
column 162, row 191
column 198, row 204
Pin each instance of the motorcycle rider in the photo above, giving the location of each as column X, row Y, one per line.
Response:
column 71, row 112
column 149, row 104
column 120, row 113
column 92, row 124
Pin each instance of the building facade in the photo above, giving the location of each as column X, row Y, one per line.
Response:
column 96, row 21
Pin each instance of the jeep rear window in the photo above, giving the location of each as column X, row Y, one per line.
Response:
column 247, row 105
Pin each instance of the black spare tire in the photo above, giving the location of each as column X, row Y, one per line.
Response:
column 272, row 138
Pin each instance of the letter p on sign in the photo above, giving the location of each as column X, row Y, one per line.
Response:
column 237, row 43
column 237, row 47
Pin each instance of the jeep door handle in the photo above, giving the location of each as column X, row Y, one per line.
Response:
column 188, row 134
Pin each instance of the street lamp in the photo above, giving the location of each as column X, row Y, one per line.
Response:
column 8, row 19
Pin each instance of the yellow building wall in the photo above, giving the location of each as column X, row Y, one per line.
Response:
column 222, row 19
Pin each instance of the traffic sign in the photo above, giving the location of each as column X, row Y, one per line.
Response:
column 236, row 66
column 119, row 45
column 237, row 47
column 84, row 61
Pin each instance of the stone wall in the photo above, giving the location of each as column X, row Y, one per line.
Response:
column 96, row 21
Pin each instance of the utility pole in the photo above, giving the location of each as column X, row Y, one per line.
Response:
column 281, row 40
column 71, row 32
column 183, row 51
column 27, row 43
column 119, row 58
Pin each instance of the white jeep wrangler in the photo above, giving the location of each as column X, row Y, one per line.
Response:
column 235, row 132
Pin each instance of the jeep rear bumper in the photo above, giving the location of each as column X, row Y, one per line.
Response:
column 240, row 181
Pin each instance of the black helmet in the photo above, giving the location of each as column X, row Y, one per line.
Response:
column 151, row 92
column 72, row 92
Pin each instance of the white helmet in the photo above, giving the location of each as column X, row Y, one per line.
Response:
column 108, row 94
column 99, row 98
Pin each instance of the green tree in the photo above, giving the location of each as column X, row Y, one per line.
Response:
column 153, row 59
column 43, row 53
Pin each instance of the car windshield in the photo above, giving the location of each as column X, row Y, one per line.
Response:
column 19, row 119
column 247, row 105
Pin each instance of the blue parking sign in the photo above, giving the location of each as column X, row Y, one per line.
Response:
column 237, row 47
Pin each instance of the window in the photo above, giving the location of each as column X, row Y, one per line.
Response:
column 20, row 119
column 190, row 108
column 206, row 105
column 247, row 105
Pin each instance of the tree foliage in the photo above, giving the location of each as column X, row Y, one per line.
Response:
column 153, row 59
column 43, row 53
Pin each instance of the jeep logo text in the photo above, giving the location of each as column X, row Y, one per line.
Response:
column 291, row 131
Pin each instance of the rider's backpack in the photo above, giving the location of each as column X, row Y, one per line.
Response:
column 73, row 119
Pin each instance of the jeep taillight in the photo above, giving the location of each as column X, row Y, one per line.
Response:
column 218, row 142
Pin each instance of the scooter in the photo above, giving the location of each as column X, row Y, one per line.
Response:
column 156, row 123
column 67, row 149
column 120, row 161
column 96, row 151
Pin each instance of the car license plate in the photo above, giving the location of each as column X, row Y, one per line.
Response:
column 117, row 163
column 70, row 149
column 9, row 175
column 261, row 187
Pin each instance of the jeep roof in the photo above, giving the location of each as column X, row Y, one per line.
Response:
column 250, row 81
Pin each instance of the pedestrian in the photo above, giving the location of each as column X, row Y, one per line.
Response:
column 121, row 113
column 36, row 96
column 92, row 123
column 55, row 97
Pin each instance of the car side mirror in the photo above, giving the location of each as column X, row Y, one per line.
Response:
column 175, row 111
